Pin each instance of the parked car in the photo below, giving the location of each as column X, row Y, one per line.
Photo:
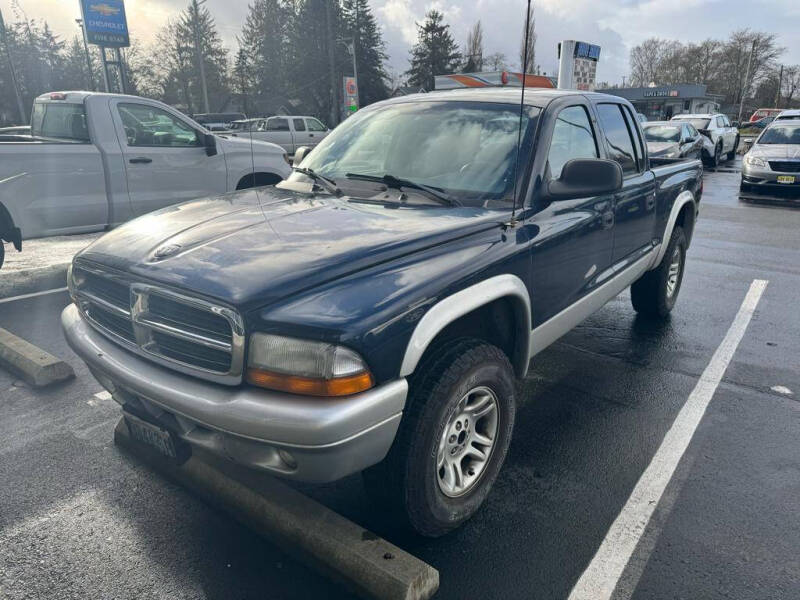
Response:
column 764, row 112
column 771, row 168
column 724, row 137
column 218, row 121
column 289, row 132
column 96, row 160
column 667, row 139
column 375, row 310
column 788, row 114
column 760, row 124
column 641, row 117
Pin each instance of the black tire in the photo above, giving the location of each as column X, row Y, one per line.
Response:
column 714, row 161
column 2, row 253
column 732, row 154
column 650, row 294
column 407, row 482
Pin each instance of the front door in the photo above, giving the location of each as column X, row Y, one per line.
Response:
column 573, row 239
column 635, row 203
column 165, row 158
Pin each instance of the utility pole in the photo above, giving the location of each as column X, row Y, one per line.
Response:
column 334, row 115
column 200, row 61
column 88, row 56
column 778, row 93
column 4, row 39
column 746, row 80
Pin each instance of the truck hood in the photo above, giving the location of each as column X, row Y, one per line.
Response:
column 254, row 247
column 229, row 143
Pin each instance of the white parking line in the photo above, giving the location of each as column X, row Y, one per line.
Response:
column 104, row 395
column 600, row 578
column 32, row 295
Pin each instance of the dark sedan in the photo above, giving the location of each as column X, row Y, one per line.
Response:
column 671, row 139
column 771, row 168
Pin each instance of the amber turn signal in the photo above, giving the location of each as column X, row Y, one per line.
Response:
column 340, row 386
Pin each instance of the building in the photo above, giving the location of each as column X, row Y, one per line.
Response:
column 663, row 102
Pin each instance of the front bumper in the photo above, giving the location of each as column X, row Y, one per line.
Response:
column 762, row 183
column 302, row 438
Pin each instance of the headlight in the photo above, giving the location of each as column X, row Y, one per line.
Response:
column 304, row 367
column 754, row 161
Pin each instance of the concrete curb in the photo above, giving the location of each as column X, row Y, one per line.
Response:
column 28, row 281
column 366, row 564
column 34, row 365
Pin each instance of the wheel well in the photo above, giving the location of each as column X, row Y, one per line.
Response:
column 8, row 232
column 686, row 220
column 498, row 323
column 257, row 179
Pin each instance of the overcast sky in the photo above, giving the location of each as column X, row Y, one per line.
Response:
column 616, row 25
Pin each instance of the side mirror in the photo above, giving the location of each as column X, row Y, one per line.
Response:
column 736, row 124
column 300, row 154
column 210, row 143
column 584, row 177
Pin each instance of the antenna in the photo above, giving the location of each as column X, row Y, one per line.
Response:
column 513, row 221
column 252, row 156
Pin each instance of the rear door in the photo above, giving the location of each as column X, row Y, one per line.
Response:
column 316, row 131
column 301, row 133
column 573, row 238
column 165, row 159
column 635, row 203
column 279, row 132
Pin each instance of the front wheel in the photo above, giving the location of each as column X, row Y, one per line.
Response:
column 654, row 294
column 452, row 441
column 715, row 160
column 732, row 153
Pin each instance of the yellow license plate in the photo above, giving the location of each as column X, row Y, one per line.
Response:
column 785, row 178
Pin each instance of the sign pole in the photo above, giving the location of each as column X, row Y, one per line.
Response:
column 4, row 38
column 123, row 76
column 106, row 85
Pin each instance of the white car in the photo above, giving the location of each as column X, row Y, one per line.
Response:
column 288, row 131
column 723, row 137
column 792, row 113
column 93, row 161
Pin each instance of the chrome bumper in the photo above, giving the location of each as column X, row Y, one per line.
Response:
column 303, row 438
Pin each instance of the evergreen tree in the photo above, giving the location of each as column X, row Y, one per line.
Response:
column 370, row 50
column 435, row 52
column 473, row 51
column 261, row 68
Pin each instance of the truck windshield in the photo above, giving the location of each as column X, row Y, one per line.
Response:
column 60, row 121
column 662, row 133
column 467, row 150
column 781, row 134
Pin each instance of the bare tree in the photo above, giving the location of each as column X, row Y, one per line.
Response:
column 473, row 51
column 495, row 61
column 530, row 59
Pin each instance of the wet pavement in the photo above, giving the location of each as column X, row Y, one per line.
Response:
column 78, row 519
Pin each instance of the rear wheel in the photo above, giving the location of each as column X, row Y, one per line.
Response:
column 452, row 441
column 2, row 253
column 717, row 155
column 655, row 293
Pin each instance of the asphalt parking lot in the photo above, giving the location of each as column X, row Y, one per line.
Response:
column 79, row 519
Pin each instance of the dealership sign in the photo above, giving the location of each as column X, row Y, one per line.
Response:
column 105, row 23
column 661, row 94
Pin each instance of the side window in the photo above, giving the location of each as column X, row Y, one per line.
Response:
column 618, row 138
column 299, row 124
column 315, row 125
column 60, row 121
column 629, row 119
column 720, row 122
column 693, row 133
column 726, row 121
column 150, row 126
column 277, row 124
column 572, row 138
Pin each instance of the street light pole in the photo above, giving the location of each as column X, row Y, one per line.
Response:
column 14, row 82
column 200, row 61
column 88, row 56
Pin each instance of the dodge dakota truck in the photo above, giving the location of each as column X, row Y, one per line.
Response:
column 93, row 160
column 374, row 311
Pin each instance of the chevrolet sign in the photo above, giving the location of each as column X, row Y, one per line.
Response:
column 105, row 23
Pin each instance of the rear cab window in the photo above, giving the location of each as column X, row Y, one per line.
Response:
column 60, row 121
column 299, row 124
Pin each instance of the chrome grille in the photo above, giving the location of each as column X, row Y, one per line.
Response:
column 185, row 333
column 785, row 166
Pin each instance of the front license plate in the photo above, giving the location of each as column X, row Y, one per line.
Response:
column 785, row 178
column 152, row 435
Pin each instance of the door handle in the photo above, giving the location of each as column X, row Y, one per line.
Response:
column 310, row 135
column 140, row 160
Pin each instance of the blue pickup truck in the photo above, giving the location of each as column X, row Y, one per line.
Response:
column 374, row 311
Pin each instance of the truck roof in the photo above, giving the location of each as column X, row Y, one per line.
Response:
column 77, row 96
column 533, row 96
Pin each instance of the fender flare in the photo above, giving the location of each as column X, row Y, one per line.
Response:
column 447, row 310
column 682, row 200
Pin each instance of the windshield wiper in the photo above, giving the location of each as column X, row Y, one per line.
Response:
column 397, row 183
column 328, row 184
